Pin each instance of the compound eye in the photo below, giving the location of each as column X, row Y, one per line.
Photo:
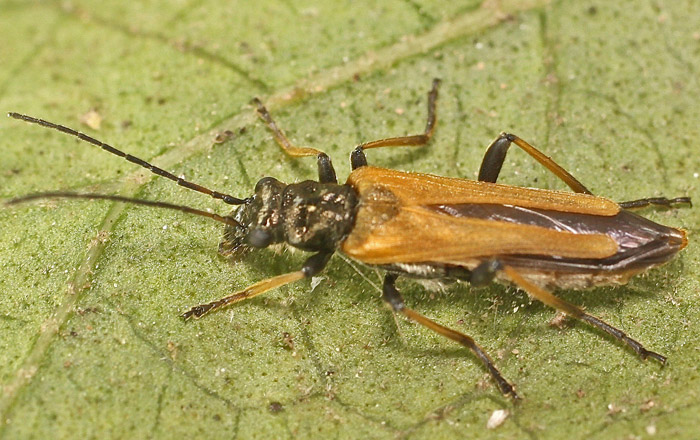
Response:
column 259, row 238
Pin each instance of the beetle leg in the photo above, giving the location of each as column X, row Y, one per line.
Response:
column 484, row 273
column 279, row 135
column 576, row 312
column 358, row 159
column 496, row 155
column 326, row 172
column 312, row 266
column 656, row 201
column 392, row 297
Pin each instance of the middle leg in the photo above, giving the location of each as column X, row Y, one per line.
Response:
column 392, row 297
column 358, row 158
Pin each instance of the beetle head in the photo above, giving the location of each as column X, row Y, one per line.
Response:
column 258, row 220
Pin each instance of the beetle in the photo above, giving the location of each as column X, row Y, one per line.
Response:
column 432, row 227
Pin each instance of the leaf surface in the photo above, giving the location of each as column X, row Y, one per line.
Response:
column 91, row 343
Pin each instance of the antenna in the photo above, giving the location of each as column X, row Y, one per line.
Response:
column 90, row 196
column 154, row 169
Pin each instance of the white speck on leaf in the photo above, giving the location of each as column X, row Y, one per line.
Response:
column 497, row 418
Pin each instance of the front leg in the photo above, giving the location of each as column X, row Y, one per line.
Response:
column 312, row 266
column 326, row 172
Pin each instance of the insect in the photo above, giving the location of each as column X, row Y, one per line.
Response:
column 432, row 227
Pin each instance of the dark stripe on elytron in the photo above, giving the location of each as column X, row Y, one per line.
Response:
column 642, row 242
column 629, row 230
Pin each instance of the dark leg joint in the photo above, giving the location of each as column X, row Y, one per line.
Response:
column 316, row 263
column 198, row 311
column 657, row 201
column 620, row 335
column 494, row 158
column 390, row 294
column 326, row 172
column 358, row 158
column 496, row 154
column 485, row 272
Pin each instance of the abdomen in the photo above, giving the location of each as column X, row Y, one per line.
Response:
column 642, row 244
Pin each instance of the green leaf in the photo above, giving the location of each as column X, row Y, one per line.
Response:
column 91, row 342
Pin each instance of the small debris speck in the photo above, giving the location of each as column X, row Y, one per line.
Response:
column 92, row 119
column 497, row 418
column 275, row 407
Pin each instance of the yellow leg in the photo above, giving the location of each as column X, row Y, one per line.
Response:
column 280, row 137
column 417, row 139
column 250, row 292
column 496, row 154
column 392, row 297
column 576, row 312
